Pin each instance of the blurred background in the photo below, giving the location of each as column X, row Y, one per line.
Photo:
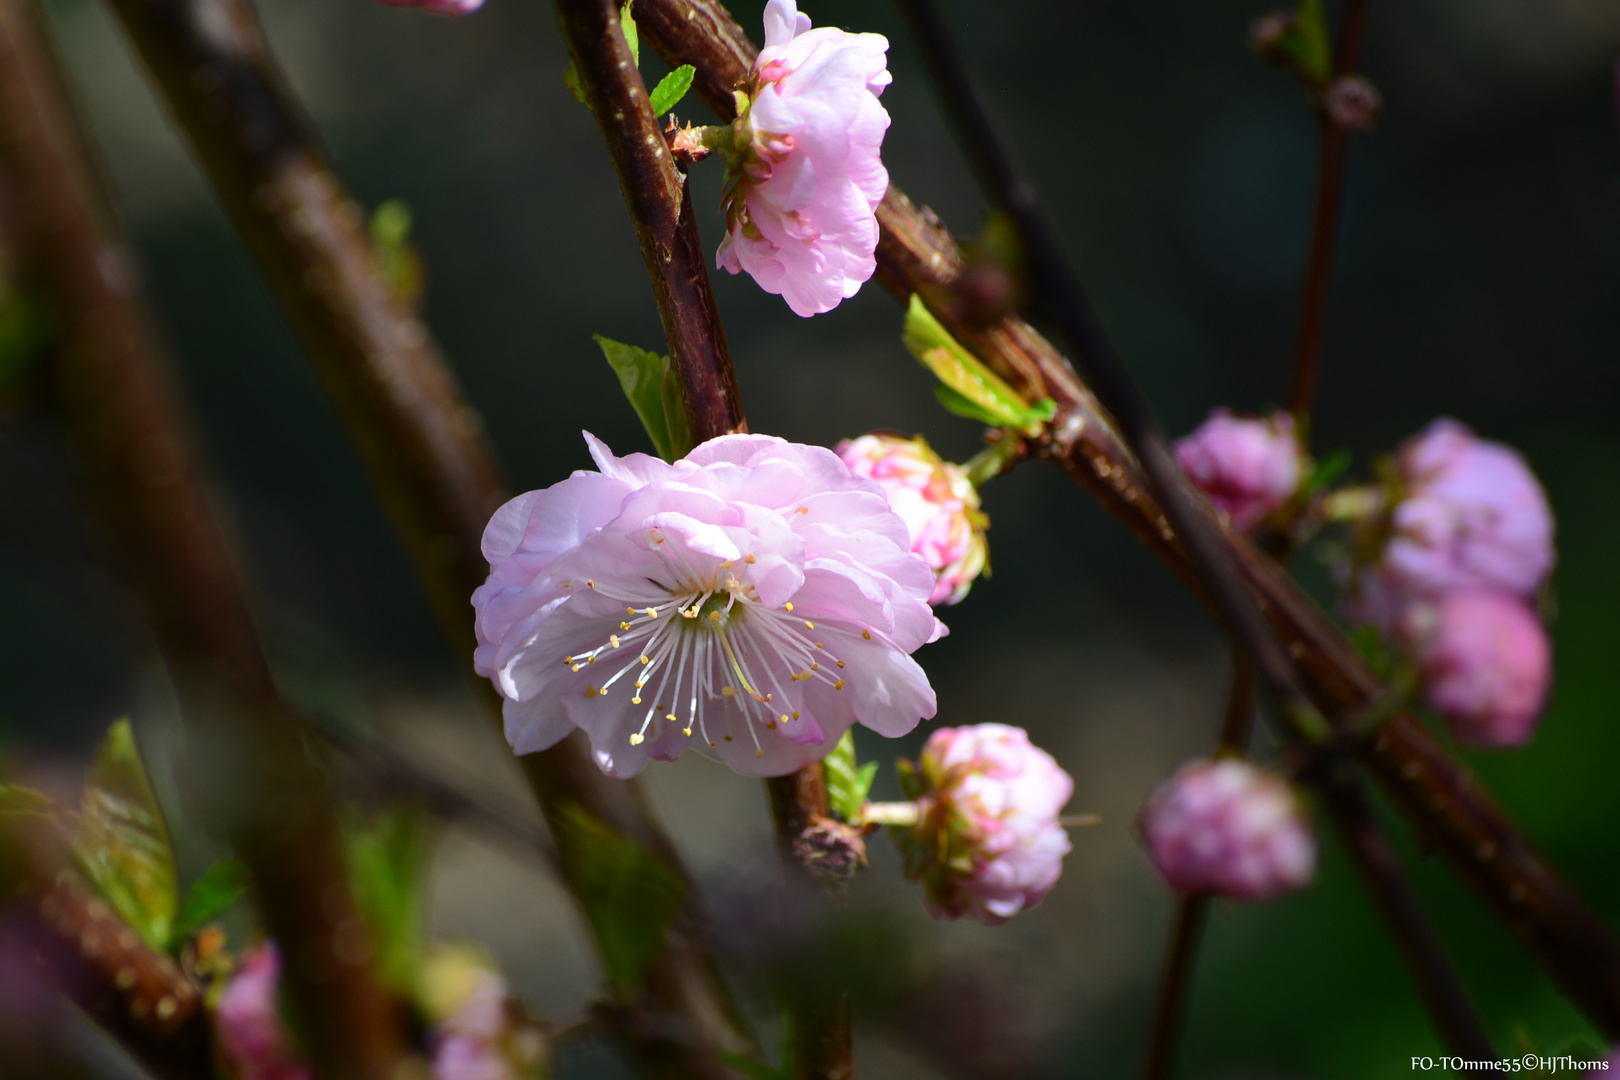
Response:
column 1479, row 276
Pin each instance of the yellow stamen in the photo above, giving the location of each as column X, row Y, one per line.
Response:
column 636, row 740
column 644, row 659
column 867, row 634
column 636, row 700
column 840, row 663
column 839, row 685
column 728, row 691
column 614, row 639
column 686, row 731
column 749, row 560
column 808, row 625
column 788, row 606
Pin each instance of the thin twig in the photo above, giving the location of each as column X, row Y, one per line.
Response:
column 1334, row 140
column 247, row 764
column 660, row 206
column 423, row 446
column 916, row 254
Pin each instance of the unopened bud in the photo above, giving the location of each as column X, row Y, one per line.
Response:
column 1248, row 467
column 1486, row 663
column 831, row 850
column 1268, row 33
column 1352, row 103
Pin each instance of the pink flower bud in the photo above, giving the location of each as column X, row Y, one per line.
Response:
column 937, row 502
column 1470, row 514
column 1352, row 103
column 1486, row 664
column 439, row 7
column 987, row 843
column 254, row 1041
column 478, row 1034
column 1228, row 828
column 804, row 185
column 1248, row 467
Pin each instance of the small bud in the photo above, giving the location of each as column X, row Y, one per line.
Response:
column 1247, row 466
column 831, row 850
column 987, row 843
column 1486, row 664
column 253, row 1040
column 1352, row 103
column 1228, row 828
column 1268, row 34
column 936, row 501
column 685, row 143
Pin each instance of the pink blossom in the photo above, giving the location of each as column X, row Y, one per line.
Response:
column 1611, row 1065
column 1247, row 466
column 439, row 7
column 753, row 600
column 1470, row 514
column 937, row 502
column 252, row 1038
column 806, row 177
column 1486, row 664
column 987, row 843
column 1226, row 827
column 484, row 1038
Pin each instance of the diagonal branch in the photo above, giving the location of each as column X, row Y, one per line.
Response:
column 916, row 254
column 423, row 446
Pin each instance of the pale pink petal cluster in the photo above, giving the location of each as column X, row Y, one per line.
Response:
column 440, row 7
column 987, row 843
column 752, row 600
column 1486, row 664
column 253, row 1040
column 1249, row 467
column 1470, row 514
column 806, row 176
column 937, row 502
column 483, row 1038
column 1230, row 829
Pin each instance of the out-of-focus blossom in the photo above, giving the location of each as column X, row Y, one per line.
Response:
column 987, row 843
column 1228, row 828
column 1469, row 514
column 252, row 1038
column 937, row 502
column 440, row 7
column 1247, row 466
column 1612, row 1068
column 1486, row 664
column 477, row 1033
column 806, row 177
column 754, row 599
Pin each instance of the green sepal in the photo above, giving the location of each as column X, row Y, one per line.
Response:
column 671, row 88
column 629, row 895
column 968, row 387
column 649, row 382
column 571, row 80
column 1306, row 45
column 632, row 38
column 213, row 894
column 388, row 859
column 396, row 255
column 122, row 843
column 848, row 784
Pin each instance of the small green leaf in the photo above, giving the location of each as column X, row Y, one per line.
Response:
column 1327, row 470
column 628, row 894
column 1306, row 43
column 396, row 256
column 969, row 388
column 847, row 783
column 671, row 88
column 571, row 80
column 122, row 842
column 627, row 23
column 220, row 887
column 654, row 393
column 387, row 863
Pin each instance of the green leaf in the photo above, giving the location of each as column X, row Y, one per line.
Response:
column 671, row 88
column 387, row 863
column 571, row 80
column 649, row 382
column 1327, row 470
column 969, row 388
column 847, row 783
column 629, row 895
column 1306, row 43
column 396, row 256
column 627, row 23
column 122, row 842
column 220, row 887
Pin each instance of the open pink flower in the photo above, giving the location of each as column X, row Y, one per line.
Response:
column 440, row 7
column 937, row 502
column 252, row 1038
column 753, row 599
column 806, row 177
column 987, row 843
column 1226, row 827
column 1247, row 466
column 1486, row 664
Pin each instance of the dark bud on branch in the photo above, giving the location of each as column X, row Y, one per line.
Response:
column 1269, row 34
column 1351, row 103
column 830, row 850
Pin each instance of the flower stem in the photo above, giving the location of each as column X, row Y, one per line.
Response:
column 1004, row 451
column 889, row 813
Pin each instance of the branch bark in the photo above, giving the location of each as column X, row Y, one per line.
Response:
column 916, row 254
column 423, row 446
column 247, row 765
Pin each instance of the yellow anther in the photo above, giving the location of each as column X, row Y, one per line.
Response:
column 644, row 659
column 802, row 510
column 578, row 666
column 788, row 606
column 603, row 691
column 714, row 616
column 590, row 691
column 771, row 726
column 629, row 611
column 686, row 731
column 624, row 626
column 591, row 582
column 669, row 716
column 728, row 739
column 614, row 640
column 795, row 716
column 815, row 667
column 867, row 634
column 728, row 564
column 590, row 660
column 636, row 739
column 784, row 718
column 728, row 691
column 711, row 745
column 794, row 677
column 749, row 560
column 568, row 659
column 757, row 753
column 636, row 700
column 819, row 645
column 808, row 625
column 652, row 613
column 839, row 685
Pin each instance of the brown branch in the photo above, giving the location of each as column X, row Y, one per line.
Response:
column 660, row 204
column 247, row 763
column 1334, row 139
column 423, row 446
column 916, row 254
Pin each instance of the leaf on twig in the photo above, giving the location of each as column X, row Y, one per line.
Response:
column 387, row 863
column 649, row 382
column 629, row 895
column 627, row 23
column 209, row 897
column 122, row 843
column 671, row 88
column 968, row 388
column 848, row 784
